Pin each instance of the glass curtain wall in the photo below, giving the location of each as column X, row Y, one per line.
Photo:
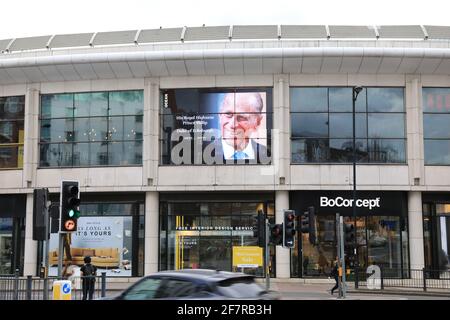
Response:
column 202, row 235
column 12, row 110
column 322, row 125
column 91, row 129
column 436, row 128
column 381, row 240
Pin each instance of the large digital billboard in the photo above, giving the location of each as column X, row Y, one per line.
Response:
column 216, row 126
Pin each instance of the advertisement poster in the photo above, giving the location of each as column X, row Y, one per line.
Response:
column 107, row 240
column 218, row 127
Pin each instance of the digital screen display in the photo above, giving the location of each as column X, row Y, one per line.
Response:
column 204, row 126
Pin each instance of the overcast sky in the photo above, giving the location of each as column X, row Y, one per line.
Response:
column 21, row 18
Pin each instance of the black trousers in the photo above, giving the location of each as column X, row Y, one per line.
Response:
column 336, row 278
column 88, row 288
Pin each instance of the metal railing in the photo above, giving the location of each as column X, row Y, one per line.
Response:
column 13, row 287
column 417, row 279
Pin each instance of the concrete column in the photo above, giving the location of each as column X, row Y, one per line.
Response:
column 414, row 131
column 30, row 254
column 151, row 232
column 283, row 255
column 31, row 139
column 415, row 230
column 150, row 158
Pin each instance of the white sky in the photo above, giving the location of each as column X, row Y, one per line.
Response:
column 22, row 18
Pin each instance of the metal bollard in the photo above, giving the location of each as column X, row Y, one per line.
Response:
column 29, row 286
column 16, row 285
column 103, row 284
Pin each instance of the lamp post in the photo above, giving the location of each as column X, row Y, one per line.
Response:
column 355, row 91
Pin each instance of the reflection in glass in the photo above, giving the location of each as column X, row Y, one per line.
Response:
column 126, row 102
column 57, row 105
column 309, row 150
column 91, row 104
column 386, row 125
column 436, row 126
column 10, row 157
column 309, row 99
column 90, row 129
column 309, row 125
column 385, row 100
column 341, row 125
column 89, row 154
column 11, row 132
column 436, row 100
column 12, row 108
column 437, row 152
column 387, row 150
column 56, row 155
column 341, row 150
column 340, row 99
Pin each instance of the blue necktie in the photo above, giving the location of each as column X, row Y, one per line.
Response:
column 239, row 155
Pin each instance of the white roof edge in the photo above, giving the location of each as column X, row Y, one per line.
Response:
column 136, row 56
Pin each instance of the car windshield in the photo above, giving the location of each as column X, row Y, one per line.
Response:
column 240, row 288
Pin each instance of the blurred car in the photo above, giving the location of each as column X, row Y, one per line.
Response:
column 197, row 284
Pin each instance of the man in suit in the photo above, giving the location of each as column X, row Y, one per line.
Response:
column 240, row 116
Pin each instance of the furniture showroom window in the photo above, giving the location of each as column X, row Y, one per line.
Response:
column 112, row 234
column 91, row 129
column 322, row 125
column 436, row 125
column 11, row 132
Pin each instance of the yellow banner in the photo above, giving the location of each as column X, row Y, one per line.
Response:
column 247, row 257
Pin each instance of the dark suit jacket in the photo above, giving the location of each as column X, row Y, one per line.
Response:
column 262, row 154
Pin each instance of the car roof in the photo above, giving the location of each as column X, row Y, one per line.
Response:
column 203, row 275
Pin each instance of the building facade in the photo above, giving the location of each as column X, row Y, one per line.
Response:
column 147, row 120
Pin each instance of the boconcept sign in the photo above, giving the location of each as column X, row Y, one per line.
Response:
column 341, row 202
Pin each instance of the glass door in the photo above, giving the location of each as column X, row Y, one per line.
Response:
column 443, row 235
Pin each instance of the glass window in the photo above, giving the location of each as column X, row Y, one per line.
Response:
column 341, row 125
column 341, row 150
column 386, row 125
column 57, row 105
column 387, row 150
column 341, row 100
column 91, row 126
column 436, row 100
column 57, row 130
column 310, row 150
column 436, row 126
column 91, row 104
column 12, row 131
column 90, row 129
column 309, row 99
column 125, row 153
column 385, row 100
column 126, row 103
column 309, row 125
column 12, row 107
column 56, row 155
column 437, row 152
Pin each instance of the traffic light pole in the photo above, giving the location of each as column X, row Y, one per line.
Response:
column 61, row 253
column 47, row 248
column 341, row 233
column 267, row 254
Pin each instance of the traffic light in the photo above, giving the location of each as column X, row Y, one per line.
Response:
column 289, row 228
column 70, row 200
column 40, row 198
column 349, row 234
column 276, row 234
column 259, row 228
column 308, row 224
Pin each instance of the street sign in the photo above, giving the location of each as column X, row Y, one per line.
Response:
column 62, row 290
column 247, row 257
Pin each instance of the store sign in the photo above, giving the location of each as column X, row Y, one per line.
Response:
column 342, row 202
column 247, row 257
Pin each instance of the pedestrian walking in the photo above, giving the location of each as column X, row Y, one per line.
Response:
column 335, row 275
column 88, row 272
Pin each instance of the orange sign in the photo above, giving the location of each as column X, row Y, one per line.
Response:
column 69, row 225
